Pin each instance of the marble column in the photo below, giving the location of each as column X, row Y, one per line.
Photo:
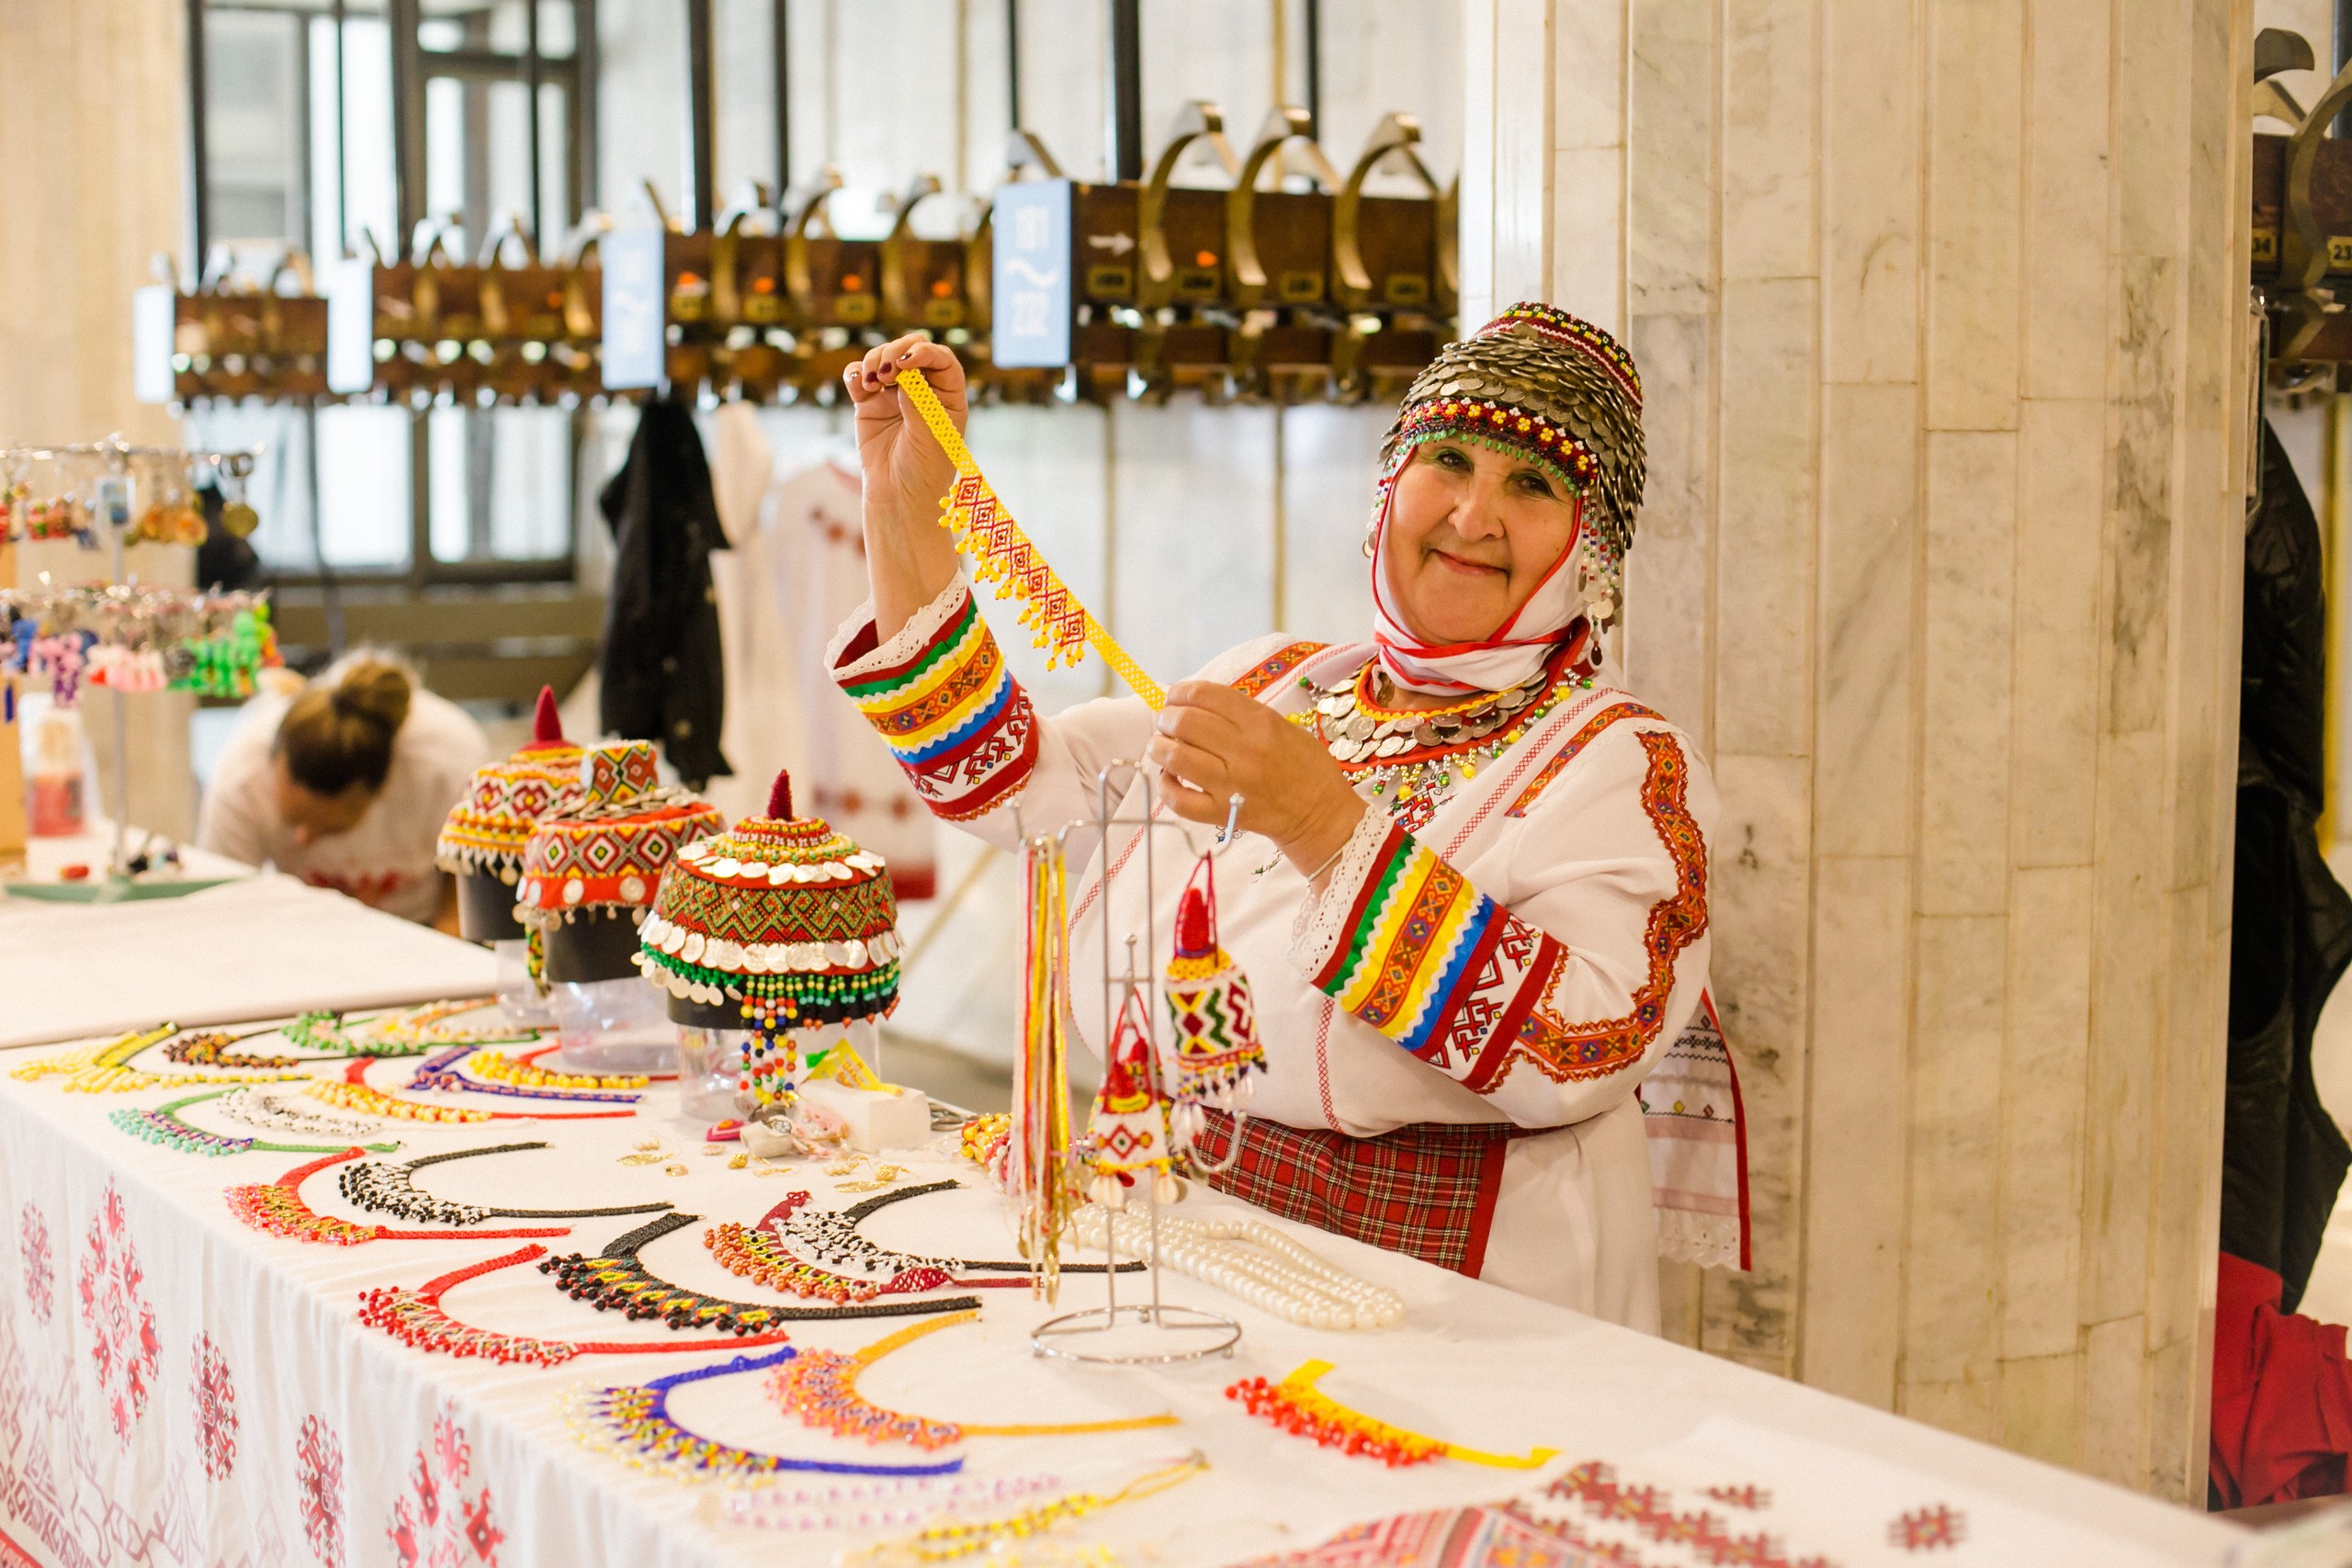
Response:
column 1942, row 318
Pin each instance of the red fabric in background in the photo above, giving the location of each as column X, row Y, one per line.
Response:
column 2282, row 1396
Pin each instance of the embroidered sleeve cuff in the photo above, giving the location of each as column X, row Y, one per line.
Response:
column 940, row 696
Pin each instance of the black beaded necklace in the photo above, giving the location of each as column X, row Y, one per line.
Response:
column 388, row 1187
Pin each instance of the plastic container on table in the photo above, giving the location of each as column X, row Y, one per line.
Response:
column 57, row 767
column 521, row 1000
column 710, row 1070
column 612, row 1026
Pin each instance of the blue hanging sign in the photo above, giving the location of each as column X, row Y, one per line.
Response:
column 634, row 328
column 1030, row 276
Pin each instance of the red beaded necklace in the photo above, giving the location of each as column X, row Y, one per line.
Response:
column 275, row 1208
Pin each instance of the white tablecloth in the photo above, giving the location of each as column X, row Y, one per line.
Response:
column 256, row 946
column 135, row 1309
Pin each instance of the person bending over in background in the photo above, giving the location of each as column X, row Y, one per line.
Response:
column 345, row 784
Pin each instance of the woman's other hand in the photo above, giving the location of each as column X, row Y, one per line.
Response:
column 1213, row 743
column 910, row 558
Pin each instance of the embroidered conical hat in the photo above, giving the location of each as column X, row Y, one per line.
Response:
column 485, row 832
column 780, row 910
column 606, row 845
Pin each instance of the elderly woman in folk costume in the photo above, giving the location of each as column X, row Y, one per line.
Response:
column 1470, row 893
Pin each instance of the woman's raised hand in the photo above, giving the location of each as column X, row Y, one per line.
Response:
column 1213, row 743
column 908, row 558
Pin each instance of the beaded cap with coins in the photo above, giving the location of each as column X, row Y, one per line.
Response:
column 486, row 832
column 607, row 847
column 786, row 919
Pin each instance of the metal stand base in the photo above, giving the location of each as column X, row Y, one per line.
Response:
column 1137, row 1336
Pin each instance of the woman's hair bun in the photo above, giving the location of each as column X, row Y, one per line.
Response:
column 374, row 689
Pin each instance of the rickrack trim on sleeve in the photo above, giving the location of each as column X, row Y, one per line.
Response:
column 1404, row 942
column 950, row 710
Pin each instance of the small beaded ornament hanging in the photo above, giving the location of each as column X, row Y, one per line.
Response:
column 1218, row 1052
column 1127, row 1136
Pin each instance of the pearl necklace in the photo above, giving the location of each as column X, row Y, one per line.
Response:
column 1252, row 1260
column 256, row 1108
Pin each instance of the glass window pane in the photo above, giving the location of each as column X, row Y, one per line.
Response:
column 279, row 487
column 363, row 462
column 531, row 483
column 253, row 125
column 369, row 206
column 451, row 496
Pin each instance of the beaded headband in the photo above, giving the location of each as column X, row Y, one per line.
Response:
column 1538, row 383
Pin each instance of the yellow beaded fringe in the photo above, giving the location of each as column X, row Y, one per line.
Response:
column 1003, row 556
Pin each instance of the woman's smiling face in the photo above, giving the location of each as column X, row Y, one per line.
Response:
column 1472, row 533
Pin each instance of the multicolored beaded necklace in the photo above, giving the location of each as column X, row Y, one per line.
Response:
column 257, row 1108
column 105, row 1069
column 211, row 1050
column 1413, row 757
column 382, row 1187
column 614, row 1280
column 525, row 1070
column 276, row 1208
column 354, row 1093
column 1297, row 1405
column 820, row 1388
column 633, row 1423
column 163, row 1125
column 440, row 1072
column 410, row 1031
column 952, row 1539
column 758, row 1253
column 416, row 1318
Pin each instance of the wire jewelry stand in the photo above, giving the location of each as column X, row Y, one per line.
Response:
column 117, row 505
column 1195, row 1333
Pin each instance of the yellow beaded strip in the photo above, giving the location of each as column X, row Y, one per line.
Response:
column 946, row 1541
column 1002, row 555
column 105, row 1069
column 500, row 1068
column 375, row 1102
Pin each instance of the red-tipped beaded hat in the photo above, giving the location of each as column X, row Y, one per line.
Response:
column 485, row 832
column 613, row 836
column 781, row 913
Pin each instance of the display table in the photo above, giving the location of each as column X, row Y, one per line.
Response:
column 178, row 1387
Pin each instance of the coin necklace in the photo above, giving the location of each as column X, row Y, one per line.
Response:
column 385, row 1186
column 417, row 1318
column 163, row 1125
column 633, row 1423
column 276, row 1208
column 614, row 1280
column 820, row 1388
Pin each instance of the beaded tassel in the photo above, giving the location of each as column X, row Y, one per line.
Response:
column 1217, row 1049
column 1037, row 1170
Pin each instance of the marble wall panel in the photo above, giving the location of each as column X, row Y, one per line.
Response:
column 1329, row 456
column 1590, row 47
column 1390, row 58
column 2067, row 274
column 1766, row 498
column 1759, row 861
column 2184, row 1175
column 2045, row 1061
column 1052, row 467
column 1771, row 80
column 2055, row 662
column 2179, row 1395
column 1670, row 161
column 1856, row 1131
column 2114, row 1407
column 1950, row 1320
column 1964, row 695
column 1669, row 576
column 1973, row 154
column 1193, row 573
column 1871, row 561
column 2127, row 1014
column 1870, row 191
column 2038, row 1406
column 1588, row 273
column 2143, row 409
column 2150, row 73
column 1505, row 146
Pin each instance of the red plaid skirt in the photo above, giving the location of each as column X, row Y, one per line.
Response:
column 1425, row 1189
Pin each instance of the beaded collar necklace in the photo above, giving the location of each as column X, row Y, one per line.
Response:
column 614, row 1280
column 758, row 1253
column 276, row 1208
column 410, row 1031
column 866, row 1505
column 354, row 1093
column 1297, row 1405
column 106, row 1069
column 163, row 1125
column 382, row 1187
column 211, row 1050
column 417, row 1318
column 525, row 1070
column 952, row 1539
column 633, row 1423
column 440, row 1071
column 820, row 1388
column 258, row 1107
column 1411, row 755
